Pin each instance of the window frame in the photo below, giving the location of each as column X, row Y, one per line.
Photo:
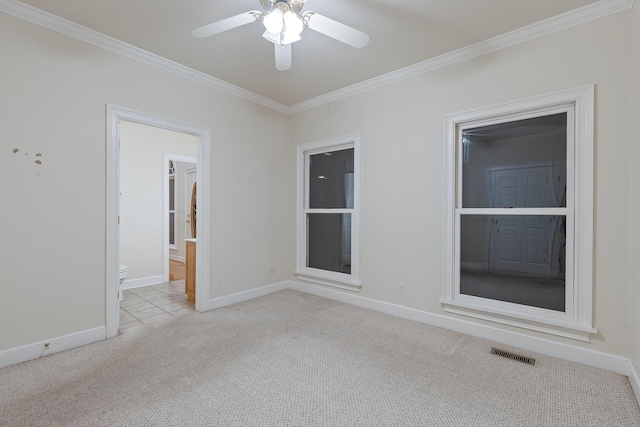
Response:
column 330, row 278
column 576, row 321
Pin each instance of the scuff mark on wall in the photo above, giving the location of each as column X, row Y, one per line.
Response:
column 37, row 161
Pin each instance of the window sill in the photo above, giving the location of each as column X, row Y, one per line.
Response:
column 336, row 280
column 547, row 326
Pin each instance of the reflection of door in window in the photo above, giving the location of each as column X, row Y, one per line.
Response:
column 524, row 244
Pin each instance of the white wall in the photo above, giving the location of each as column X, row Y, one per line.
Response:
column 634, row 300
column 402, row 126
column 142, row 189
column 54, row 91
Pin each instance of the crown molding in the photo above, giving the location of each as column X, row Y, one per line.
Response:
column 64, row 26
column 539, row 29
column 569, row 19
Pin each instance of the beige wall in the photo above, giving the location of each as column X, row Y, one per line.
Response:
column 402, row 124
column 142, row 191
column 53, row 94
column 634, row 300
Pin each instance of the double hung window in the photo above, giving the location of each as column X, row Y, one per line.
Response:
column 329, row 212
column 519, row 238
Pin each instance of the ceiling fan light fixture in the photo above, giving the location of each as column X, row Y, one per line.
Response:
column 290, row 38
column 292, row 24
column 274, row 21
column 273, row 38
column 284, row 23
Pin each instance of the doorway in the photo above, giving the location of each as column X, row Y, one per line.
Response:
column 178, row 168
column 114, row 116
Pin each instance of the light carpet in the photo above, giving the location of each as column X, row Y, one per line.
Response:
column 291, row 359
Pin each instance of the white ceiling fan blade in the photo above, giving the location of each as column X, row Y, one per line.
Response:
column 283, row 56
column 336, row 30
column 227, row 24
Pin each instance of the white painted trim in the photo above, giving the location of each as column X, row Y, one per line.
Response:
column 557, row 23
column 69, row 28
column 246, row 295
column 548, row 325
column 35, row 350
column 141, row 282
column 634, row 380
column 336, row 280
column 114, row 115
column 579, row 16
column 203, row 227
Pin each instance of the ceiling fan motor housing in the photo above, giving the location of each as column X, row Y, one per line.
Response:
column 294, row 6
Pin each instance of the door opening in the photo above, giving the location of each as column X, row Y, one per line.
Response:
column 114, row 116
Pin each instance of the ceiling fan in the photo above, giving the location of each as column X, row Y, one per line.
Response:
column 284, row 22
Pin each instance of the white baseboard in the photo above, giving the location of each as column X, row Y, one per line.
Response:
column 617, row 364
column 563, row 351
column 635, row 381
column 246, row 295
column 143, row 281
column 39, row 349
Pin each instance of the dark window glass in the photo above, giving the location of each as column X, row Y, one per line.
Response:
column 172, row 234
column 514, row 258
column 329, row 242
column 331, row 180
column 519, row 164
column 172, row 194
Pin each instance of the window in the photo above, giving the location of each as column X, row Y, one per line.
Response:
column 519, row 214
column 329, row 212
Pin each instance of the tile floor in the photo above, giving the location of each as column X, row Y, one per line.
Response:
column 153, row 303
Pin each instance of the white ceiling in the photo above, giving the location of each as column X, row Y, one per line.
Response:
column 402, row 33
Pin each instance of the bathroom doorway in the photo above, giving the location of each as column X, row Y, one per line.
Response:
column 117, row 118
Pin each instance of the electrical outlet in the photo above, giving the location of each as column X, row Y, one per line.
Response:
column 271, row 271
column 401, row 288
column 220, row 280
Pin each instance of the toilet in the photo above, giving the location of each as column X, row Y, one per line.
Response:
column 124, row 272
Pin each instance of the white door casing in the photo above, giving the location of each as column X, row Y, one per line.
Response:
column 113, row 116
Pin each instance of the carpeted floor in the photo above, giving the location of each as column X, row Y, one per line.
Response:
column 291, row 359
